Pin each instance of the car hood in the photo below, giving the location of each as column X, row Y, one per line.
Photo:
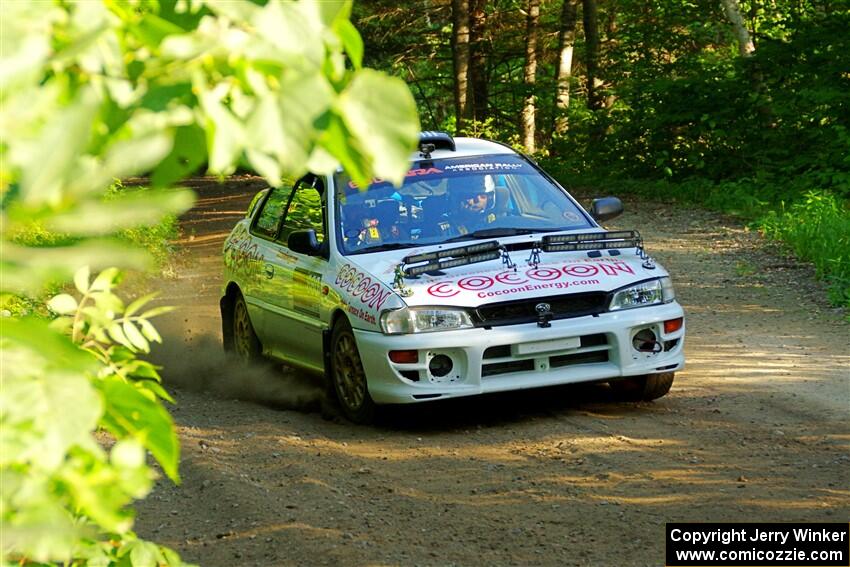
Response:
column 490, row 282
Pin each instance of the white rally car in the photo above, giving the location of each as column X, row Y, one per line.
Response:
column 479, row 274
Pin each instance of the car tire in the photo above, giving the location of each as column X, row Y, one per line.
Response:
column 644, row 388
column 246, row 345
column 348, row 377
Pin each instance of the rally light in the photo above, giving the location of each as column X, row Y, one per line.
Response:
column 452, row 252
column 673, row 325
column 590, row 236
column 440, row 366
column 590, row 241
column 580, row 246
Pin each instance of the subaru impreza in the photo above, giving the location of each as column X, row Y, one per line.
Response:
column 480, row 273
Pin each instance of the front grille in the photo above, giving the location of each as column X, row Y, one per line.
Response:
column 500, row 359
column 579, row 358
column 524, row 311
column 507, row 367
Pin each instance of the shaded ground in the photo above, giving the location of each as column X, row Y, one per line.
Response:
column 755, row 429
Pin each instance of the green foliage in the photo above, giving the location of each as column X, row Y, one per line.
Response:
column 62, row 381
column 815, row 226
column 817, row 229
column 91, row 92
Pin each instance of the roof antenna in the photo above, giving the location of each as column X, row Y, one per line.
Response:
column 426, row 149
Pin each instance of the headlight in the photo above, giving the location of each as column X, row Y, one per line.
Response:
column 424, row 320
column 653, row 292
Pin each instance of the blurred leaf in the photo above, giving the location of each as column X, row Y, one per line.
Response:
column 129, row 412
column 145, row 554
column 134, row 156
column 105, row 280
column 351, row 40
column 46, row 389
column 139, row 303
column 35, row 335
column 381, row 113
column 225, row 133
column 62, row 304
column 141, row 207
column 27, row 270
column 152, row 29
column 287, row 27
column 157, row 311
column 81, row 279
column 349, row 155
column 117, row 334
column 135, row 336
column 157, row 389
column 187, row 155
column 47, row 160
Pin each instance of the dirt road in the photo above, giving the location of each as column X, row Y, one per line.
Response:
column 755, row 429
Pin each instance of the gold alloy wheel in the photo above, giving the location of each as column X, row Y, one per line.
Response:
column 349, row 377
column 243, row 332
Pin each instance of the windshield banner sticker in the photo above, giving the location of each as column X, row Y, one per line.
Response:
column 420, row 172
column 490, row 167
column 455, row 169
column 557, row 278
column 370, row 292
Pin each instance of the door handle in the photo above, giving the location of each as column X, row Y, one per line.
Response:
column 269, row 271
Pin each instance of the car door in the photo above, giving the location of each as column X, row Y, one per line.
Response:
column 264, row 229
column 295, row 323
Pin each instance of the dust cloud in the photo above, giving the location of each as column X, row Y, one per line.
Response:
column 200, row 364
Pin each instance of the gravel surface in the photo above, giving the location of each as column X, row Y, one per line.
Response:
column 754, row 429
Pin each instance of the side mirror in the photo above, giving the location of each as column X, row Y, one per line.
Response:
column 606, row 208
column 304, row 242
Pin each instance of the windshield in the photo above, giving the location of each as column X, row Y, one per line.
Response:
column 452, row 200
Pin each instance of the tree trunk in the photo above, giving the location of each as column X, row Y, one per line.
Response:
column 528, row 108
column 478, row 60
column 591, row 40
column 564, row 70
column 460, row 52
column 733, row 12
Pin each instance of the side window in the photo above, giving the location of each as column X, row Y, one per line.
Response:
column 305, row 211
column 268, row 219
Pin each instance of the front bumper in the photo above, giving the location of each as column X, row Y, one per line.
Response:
column 582, row 349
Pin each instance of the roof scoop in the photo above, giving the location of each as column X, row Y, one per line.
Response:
column 430, row 140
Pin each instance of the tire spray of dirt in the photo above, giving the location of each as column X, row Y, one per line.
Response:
column 201, row 364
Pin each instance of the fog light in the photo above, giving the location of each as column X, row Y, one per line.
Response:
column 645, row 341
column 440, row 365
column 673, row 325
column 404, row 356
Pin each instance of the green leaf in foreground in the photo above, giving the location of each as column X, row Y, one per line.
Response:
column 130, row 412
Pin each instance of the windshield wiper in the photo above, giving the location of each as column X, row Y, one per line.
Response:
column 384, row 247
column 496, row 232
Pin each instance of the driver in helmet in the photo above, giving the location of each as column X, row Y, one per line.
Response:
column 474, row 205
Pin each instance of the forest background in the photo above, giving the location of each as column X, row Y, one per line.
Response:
column 741, row 106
